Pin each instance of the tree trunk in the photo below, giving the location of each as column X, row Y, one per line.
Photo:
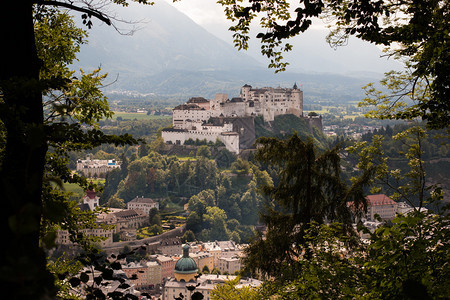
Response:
column 23, row 263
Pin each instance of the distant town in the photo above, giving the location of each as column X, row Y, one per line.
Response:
column 168, row 264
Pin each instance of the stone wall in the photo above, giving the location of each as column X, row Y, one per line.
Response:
column 152, row 243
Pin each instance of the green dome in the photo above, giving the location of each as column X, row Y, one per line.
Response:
column 186, row 265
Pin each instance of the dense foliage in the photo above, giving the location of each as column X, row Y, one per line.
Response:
column 416, row 31
column 309, row 189
column 46, row 112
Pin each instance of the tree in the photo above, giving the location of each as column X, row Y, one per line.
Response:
column 225, row 158
column 230, row 290
column 205, row 269
column 30, row 132
column 310, row 189
column 204, row 151
column 413, row 30
column 116, row 202
column 409, row 259
column 154, row 217
column 330, row 272
column 240, row 167
column 216, row 220
column 409, row 186
column 188, row 236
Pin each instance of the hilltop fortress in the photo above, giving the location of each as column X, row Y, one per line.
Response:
column 232, row 120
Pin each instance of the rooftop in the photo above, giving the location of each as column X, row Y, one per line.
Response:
column 142, row 200
column 379, row 199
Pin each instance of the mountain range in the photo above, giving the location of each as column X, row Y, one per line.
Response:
column 171, row 55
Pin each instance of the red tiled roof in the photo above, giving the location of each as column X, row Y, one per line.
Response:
column 380, row 199
column 91, row 194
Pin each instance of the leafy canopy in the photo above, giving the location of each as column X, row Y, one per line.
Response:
column 414, row 31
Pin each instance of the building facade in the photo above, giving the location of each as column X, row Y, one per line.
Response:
column 192, row 120
column 143, row 204
column 144, row 274
column 229, row 265
column 381, row 205
column 96, row 167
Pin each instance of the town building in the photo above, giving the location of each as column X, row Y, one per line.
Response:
column 120, row 221
column 203, row 259
column 170, row 246
column 381, row 205
column 91, row 199
column 106, row 235
column 229, row 265
column 90, row 202
column 143, row 204
column 214, row 249
column 96, row 167
column 167, row 266
column 404, row 208
column 120, row 283
column 130, row 218
column 187, row 281
column 143, row 275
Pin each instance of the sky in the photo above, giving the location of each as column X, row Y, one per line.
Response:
column 311, row 52
column 210, row 15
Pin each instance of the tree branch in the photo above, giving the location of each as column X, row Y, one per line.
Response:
column 88, row 11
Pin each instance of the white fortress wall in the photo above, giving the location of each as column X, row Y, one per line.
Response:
column 179, row 137
column 231, row 141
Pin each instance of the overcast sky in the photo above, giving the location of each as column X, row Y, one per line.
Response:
column 210, row 15
column 311, row 53
column 311, row 45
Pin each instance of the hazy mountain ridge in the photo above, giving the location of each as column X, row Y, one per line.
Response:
column 167, row 39
column 172, row 55
column 185, row 84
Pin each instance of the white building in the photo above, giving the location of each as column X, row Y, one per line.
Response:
column 186, row 113
column 96, row 167
column 91, row 199
column 90, row 202
column 382, row 205
column 207, row 132
column 191, row 120
column 271, row 102
column 143, row 204
column 106, row 235
column 229, row 265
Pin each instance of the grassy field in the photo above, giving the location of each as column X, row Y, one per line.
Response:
column 137, row 116
column 76, row 189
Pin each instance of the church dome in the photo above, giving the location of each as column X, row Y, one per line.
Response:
column 186, row 265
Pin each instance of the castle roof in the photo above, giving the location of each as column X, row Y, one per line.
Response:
column 175, row 130
column 197, row 100
column 188, row 106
